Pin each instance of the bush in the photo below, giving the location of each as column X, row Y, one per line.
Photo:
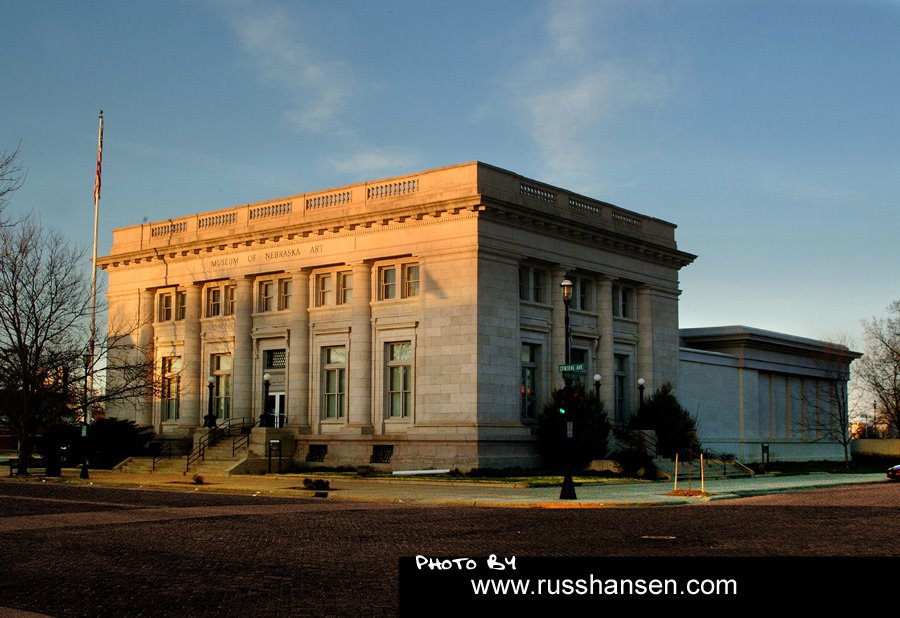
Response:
column 591, row 428
column 676, row 429
column 110, row 441
column 634, row 461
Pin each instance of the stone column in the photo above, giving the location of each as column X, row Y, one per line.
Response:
column 360, row 369
column 298, row 359
column 645, row 339
column 558, row 327
column 191, row 381
column 605, row 351
column 144, row 413
column 242, row 359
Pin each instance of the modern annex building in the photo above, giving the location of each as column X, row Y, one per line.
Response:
column 416, row 320
column 755, row 391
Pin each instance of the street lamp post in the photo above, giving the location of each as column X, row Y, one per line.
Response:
column 641, row 383
column 567, row 492
column 597, row 378
column 210, row 419
column 86, row 358
column 566, row 286
column 264, row 420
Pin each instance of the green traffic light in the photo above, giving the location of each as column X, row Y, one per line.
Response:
column 562, row 410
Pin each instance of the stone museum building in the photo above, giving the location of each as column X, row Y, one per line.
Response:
column 420, row 321
column 417, row 321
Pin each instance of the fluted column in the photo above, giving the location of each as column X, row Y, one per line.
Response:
column 558, row 340
column 360, row 370
column 605, row 351
column 191, row 363
column 298, row 363
column 242, row 361
column 645, row 338
column 144, row 413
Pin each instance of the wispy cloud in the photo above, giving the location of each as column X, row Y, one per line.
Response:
column 376, row 161
column 577, row 92
column 316, row 87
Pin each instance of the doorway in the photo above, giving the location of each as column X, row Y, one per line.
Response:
column 276, row 408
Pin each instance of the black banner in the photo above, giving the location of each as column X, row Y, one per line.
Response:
column 431, row 585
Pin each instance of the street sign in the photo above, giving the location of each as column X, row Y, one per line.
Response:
column 572, row 368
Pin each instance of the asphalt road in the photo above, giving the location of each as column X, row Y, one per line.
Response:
column 100, row 551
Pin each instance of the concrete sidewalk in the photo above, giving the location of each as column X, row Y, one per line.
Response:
column 471, row 492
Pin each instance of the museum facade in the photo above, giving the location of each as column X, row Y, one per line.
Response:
column 417, row 321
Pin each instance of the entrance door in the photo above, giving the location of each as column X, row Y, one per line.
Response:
column 277, row 409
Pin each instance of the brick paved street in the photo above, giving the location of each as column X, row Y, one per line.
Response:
column 75, row 550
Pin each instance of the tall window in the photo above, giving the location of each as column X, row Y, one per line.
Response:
column 623, row 301
column 334, row 368
column 323, row 290
column 410, row 280
column 180, row 305
column 532, row 282
column 284, row 294
column 398, row 281
column 230, row 291
column 345, row 287
column 171, row 387
column 266, row 296
column 583, row 295
column 621, row 394
column 529, row 392
column 399, row 368
column 164, row 307
column 220, row 368
column 538, row 278
column 387, row 283
column 213, row 302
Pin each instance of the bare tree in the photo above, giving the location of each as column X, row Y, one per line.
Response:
column 11, row 175
column 878, row 371
column 42, row 309
column 44, row 335
column 827, row 411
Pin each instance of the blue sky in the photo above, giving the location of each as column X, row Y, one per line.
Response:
column 767, row 130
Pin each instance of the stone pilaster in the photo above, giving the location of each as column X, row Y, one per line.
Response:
column 605, row 351
column 191, row 382
column 558, row 340
column 242, row 360
column 645, row 338
column 360, row 369
column 144, row 412
column 298, row 359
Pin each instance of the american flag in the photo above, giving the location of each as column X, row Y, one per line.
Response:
column 99, row 160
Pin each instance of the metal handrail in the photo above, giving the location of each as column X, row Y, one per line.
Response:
column 198, row 452
column 213, row 436
column 710, row 454
column 165, row 450
column 633, row 438
column 227, row 426
column 239, row 441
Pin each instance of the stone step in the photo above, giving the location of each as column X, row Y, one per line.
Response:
column 177, row 464
column 225, row 453
column 145, row 464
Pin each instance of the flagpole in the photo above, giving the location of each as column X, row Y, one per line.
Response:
column 96, row 219
column 89, row 364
